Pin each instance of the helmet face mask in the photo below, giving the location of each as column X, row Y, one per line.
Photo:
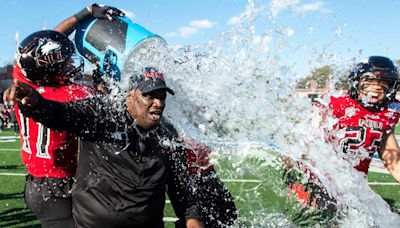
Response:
column 366, row 84
column 378, row 72
column 44, row 57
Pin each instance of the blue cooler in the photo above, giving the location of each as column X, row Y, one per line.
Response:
column 112, row 44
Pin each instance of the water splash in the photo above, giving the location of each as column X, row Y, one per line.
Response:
column 236, row 94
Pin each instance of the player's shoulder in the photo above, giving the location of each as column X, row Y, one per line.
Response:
column 17, row 74
column 75, row 91
column 341, row 101
column 65, row 93
column 81, row 89
column 75, row 87
column 394, row 106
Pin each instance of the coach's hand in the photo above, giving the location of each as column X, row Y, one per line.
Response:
column 21, row 93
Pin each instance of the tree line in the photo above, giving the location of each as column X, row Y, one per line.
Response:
column 323, row 74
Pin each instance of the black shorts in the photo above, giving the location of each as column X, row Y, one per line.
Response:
column 50, row 200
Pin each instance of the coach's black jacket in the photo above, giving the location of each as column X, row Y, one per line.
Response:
column 123, row 171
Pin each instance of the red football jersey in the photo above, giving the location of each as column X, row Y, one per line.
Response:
column 197, row 156
column 48, row 153
column 365, row 129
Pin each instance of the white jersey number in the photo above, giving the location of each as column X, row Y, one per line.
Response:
column 355, row 138
column 43, row 138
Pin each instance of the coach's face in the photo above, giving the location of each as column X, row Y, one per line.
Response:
column 148, row 108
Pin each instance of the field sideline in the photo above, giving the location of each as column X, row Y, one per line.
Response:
column 13, row 212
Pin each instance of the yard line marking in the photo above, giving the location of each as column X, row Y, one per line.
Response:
column 169, row 219
column 13, row 174
column 242, row 180
column 8, row 138
column 10, row 149
column 226, row 180
column 259, row 181
column 383, row 183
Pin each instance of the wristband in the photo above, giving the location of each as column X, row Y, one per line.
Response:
column 81, row 15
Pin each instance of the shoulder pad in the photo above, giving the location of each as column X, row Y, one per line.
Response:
column 394, row 106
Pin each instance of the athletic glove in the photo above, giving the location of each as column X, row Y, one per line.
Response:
column 98, row 11
column 105, row 12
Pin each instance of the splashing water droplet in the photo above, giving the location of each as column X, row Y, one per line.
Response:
column 240, row 99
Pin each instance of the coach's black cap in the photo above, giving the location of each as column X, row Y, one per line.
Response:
column 149, row 80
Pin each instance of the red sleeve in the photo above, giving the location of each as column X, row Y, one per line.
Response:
column 17, row 74
column 197, row 156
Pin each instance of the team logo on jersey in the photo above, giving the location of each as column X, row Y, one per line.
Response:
column 48, row 52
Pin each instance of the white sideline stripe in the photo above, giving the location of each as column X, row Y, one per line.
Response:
column 10, row 149
column 226, row 180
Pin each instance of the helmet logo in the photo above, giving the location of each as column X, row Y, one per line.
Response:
column 48, row 52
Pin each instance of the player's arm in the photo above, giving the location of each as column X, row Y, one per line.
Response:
column 180, row 187
column 94, row 11
column 182, row 196
column 390, row 154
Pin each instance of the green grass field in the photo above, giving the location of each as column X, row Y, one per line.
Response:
column 249, row 196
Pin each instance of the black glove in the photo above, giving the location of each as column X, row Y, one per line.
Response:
column 98, row 11
column 105, row 12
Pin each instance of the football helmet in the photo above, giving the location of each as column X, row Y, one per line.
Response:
column 46, row 55
column 375, row 67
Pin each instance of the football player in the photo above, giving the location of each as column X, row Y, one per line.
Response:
column 45, row 61
column 366, row 118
